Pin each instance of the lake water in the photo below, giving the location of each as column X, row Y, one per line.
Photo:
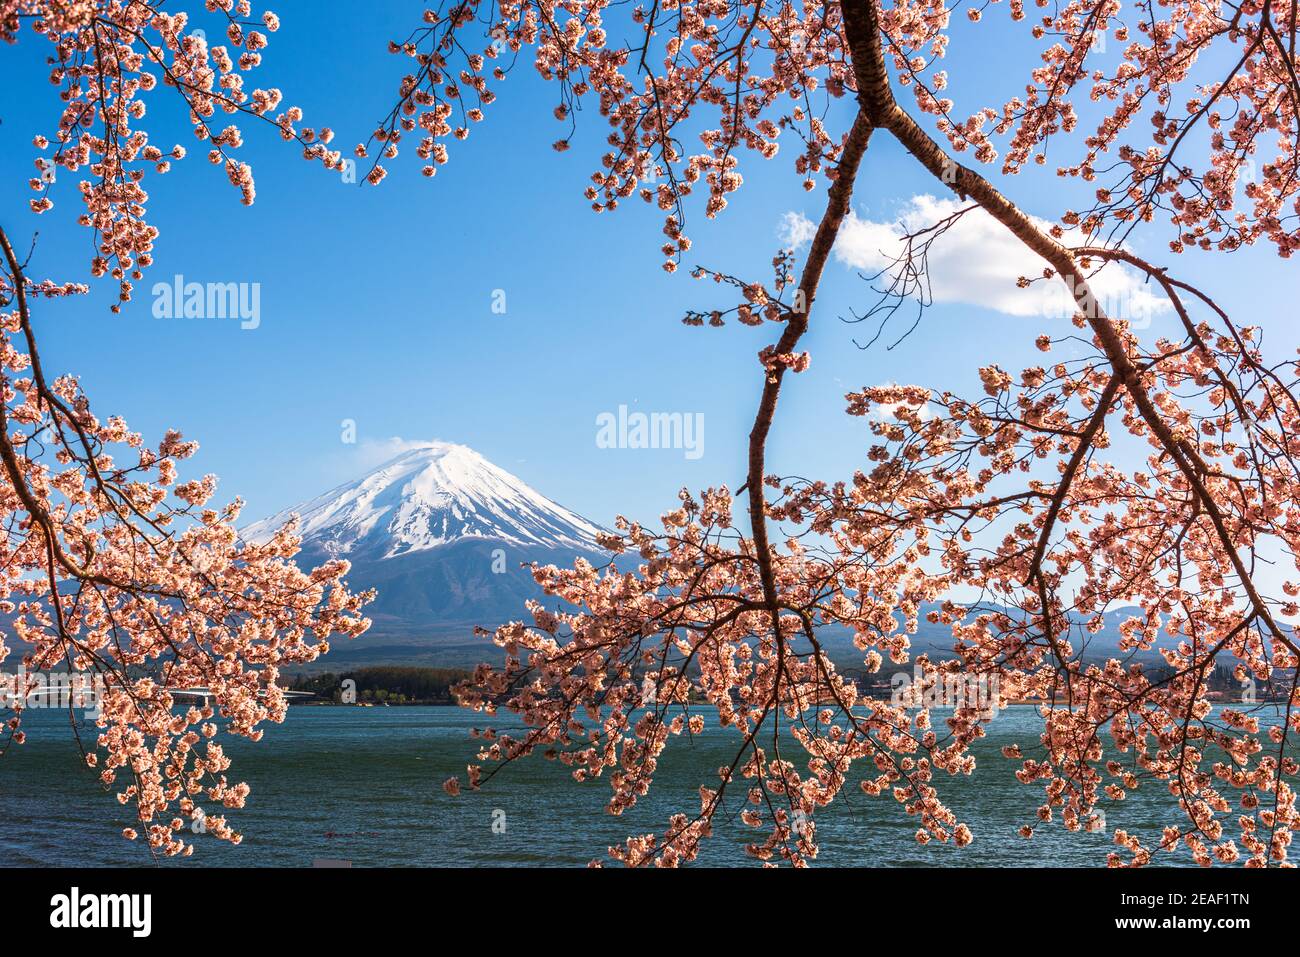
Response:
column 365, row 785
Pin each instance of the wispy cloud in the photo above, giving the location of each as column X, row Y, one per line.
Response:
column 795, row 230
column 371, row 453
column 975, row 261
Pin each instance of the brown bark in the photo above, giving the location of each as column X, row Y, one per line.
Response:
column 837, row 207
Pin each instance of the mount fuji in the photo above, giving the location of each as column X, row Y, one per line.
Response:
column 440, row 532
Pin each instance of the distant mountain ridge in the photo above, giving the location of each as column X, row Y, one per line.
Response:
column 441, row 533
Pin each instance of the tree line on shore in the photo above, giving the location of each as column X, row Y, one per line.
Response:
column 382, row 684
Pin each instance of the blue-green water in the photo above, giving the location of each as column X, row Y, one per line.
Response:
column 365, row 785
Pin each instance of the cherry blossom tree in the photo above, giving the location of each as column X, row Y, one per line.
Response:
column 1010, row 497
column 115, row 570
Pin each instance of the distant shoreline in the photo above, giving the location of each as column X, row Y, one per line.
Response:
column 359, row 704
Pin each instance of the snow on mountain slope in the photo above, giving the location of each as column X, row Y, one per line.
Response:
column 429, row 497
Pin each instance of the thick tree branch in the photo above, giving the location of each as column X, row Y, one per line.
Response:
column 837, row 207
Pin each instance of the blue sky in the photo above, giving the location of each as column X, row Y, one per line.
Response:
column 377, row 303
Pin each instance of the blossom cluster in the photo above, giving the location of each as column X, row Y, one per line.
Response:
column 106, row 59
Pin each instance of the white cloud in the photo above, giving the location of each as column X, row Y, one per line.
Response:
column 977, row 261
column 795, row 230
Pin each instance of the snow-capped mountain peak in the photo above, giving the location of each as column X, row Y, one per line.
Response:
column 428, row 497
